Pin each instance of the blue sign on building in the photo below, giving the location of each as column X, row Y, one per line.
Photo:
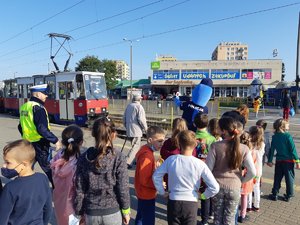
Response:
column 225, row 75
column 165, row 75
column 194, row 75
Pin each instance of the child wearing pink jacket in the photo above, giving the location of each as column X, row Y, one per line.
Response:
column 63, row 168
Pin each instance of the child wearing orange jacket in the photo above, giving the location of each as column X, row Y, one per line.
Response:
column 145, row 166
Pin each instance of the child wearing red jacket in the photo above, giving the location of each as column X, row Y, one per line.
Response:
column 145, row 166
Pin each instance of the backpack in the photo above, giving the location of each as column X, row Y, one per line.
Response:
column 201, row 149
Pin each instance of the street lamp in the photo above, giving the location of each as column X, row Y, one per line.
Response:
column 297, row 69
column 130, row 41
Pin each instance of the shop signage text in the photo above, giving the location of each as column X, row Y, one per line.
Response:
column 225, row 75
column 193, row 75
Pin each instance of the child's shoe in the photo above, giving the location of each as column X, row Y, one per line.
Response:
column 243, row 219
column 255, row 209
column 273, row 197
column 287, row 198
column 249, row 210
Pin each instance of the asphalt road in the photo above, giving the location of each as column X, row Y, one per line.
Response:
column 271, row 212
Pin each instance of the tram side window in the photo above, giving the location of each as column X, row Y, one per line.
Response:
column 51, row 90
column 62, row 90
column 70, row 90
column 14, row 90
column 80, row 94
column 80, row 90
column 28, row 91
column 21, row 91
column 6, row 91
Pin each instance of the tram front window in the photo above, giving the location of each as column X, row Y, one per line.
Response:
column 95, row 87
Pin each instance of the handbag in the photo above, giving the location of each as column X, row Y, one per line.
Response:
column 292, row 111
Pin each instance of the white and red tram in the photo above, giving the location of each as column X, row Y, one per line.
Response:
column 75, row 97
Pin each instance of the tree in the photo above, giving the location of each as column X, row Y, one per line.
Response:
column 89, row 63
column 109, row 67
column 93, row 64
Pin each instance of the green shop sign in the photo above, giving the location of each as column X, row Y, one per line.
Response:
column 155, row 65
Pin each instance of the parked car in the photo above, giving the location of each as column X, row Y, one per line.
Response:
column 155, row 97
column 169, row 97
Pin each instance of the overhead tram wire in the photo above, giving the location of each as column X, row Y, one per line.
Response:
column 192, row 26
column 41, row 22
column 133, row 20
column 27, row 54
column 197, row 25
column 27, row 46
column 219, row 20
column 113, row 16
column 109, row 17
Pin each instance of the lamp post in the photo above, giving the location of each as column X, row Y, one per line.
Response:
column 130, row 41
column 297, row 69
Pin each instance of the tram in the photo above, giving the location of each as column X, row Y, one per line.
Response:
column 74, row 97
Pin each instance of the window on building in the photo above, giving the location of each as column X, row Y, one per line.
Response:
column 228, row 92
column 188, row 90
column 217, row 92
column 234, row 91
column 231, row 58
column 222, row 92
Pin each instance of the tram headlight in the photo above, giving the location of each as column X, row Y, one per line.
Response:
column 103, row 109
column 91, row 110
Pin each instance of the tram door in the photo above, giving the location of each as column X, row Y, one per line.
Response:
column 66, row 100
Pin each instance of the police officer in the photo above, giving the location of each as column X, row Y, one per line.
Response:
column 34, row 127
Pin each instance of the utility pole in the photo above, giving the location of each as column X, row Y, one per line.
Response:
column 130, row 41
column 297, row 69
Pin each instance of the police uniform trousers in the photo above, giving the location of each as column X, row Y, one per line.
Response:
column 41, row 156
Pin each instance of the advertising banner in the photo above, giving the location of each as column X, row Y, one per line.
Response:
column 194, row 75
column 165, row 75
column 247, row 75
column 225, row 75
column 155, row 65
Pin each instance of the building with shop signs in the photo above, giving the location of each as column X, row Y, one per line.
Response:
column 230, row 77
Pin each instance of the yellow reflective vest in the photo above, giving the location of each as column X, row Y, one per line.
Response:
column 26, row 120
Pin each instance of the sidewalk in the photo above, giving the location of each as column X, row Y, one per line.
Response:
column 271, row 212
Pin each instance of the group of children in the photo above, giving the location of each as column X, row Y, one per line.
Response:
column 225, row 179
column 220, row 165
column 90, row 188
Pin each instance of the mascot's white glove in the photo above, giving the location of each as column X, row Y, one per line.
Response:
column 177, row 100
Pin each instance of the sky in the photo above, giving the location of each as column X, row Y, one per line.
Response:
column 186, row 29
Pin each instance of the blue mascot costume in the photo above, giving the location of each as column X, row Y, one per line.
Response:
column 200, row 97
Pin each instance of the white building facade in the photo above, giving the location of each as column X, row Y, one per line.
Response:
column 231, row 78
column 122, row 70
